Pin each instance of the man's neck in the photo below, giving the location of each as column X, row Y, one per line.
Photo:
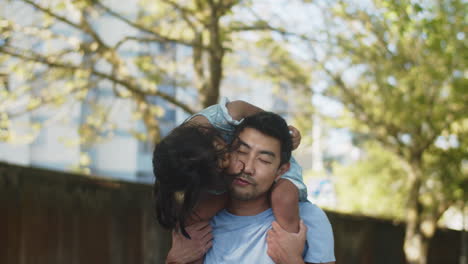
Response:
column 250, row 207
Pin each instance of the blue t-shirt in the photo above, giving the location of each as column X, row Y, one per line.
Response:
column 242, row 239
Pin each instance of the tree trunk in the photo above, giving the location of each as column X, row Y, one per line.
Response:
column 416, row 243
column 208, row 59
column 416, row 247
column 211, row 93
column 200, row 79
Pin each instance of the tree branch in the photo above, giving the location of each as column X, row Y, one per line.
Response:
column 227, row 5
column 48, row 100
column 130, row 83
column 138, row 39
column 88, row 29
column 264, row 26
column 147, row 30
column 366, row 117
column 52, row 14
column 84, row 27
column 183, row 11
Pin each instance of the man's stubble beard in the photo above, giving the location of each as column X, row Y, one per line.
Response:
column 245, row 196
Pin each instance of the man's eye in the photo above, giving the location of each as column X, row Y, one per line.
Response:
column 241, row 152
column 265, row 161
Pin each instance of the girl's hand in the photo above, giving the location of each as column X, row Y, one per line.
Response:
column 295, row 136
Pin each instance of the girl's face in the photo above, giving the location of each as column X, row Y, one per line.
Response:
column 223, row 161
column 221, row 182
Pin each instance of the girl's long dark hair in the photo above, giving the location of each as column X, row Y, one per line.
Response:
column 185, row 164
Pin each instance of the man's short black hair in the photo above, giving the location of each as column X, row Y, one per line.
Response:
column 272, row 125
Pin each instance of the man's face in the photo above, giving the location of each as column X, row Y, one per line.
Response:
column 260, row 156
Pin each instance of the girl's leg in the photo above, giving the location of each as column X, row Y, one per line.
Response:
column 285, row 205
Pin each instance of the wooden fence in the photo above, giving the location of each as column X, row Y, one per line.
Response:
column 49, row 217
column 54, row 217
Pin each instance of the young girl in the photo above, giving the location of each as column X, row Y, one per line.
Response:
column 189, row 168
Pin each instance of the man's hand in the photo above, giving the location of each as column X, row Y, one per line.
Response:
column 285, row 247
column 184, row 250
column 295, row 136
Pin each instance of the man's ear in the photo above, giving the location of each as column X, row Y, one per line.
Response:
column 282, row 170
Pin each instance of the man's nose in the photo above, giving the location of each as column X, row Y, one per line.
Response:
column 249, row 165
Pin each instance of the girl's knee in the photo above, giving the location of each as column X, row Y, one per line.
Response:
column 285, row 193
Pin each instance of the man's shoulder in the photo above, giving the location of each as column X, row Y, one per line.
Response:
column 320, row 242
column 311, row 210
column 314, row 217
column 308, row 205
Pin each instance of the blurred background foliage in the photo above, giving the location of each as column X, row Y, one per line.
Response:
column 383, row 195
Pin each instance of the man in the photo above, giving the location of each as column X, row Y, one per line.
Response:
column 245, row 232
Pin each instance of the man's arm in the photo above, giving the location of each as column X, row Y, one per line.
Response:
column 285, row 247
